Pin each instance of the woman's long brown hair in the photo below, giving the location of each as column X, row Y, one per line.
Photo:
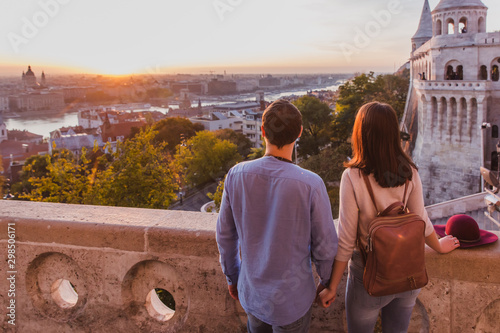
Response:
column 376, row 146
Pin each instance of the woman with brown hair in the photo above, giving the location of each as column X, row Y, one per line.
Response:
column 377, row 153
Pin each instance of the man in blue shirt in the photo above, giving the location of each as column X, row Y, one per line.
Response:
column 275, row 218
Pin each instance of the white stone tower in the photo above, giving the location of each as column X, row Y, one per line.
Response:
column 454, row 89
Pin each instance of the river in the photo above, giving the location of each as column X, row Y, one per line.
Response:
column 45, row 124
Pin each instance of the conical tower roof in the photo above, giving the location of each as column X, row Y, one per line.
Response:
column 448, row 4
column 425, row 26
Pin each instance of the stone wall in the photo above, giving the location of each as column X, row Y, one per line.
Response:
column 450, row 140
column 92, row 269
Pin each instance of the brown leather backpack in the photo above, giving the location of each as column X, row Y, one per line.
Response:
column 395, row 254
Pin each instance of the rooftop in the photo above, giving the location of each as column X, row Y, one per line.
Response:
column 449, row 4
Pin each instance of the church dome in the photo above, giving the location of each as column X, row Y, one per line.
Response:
column 30, row 72
column 449, row 4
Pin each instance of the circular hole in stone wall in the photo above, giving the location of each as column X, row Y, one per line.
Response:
column 64, row 294
column 160, row 304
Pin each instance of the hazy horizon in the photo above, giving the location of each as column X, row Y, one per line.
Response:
column 203, row 36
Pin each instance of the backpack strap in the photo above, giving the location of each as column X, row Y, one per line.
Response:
column 405, row 202
column 370, row 190
column 372, row 196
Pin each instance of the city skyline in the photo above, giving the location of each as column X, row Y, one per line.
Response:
column 204, row 36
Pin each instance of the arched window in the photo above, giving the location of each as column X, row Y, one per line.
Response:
column 450, row 74
column 494, row 132
column 494, row 161
column 483, row 73
column 460, row 72
column 462, row 25
column 481, row 24
column 451, row 27
column 494, row 73
column 414, row 47
column 439, row 27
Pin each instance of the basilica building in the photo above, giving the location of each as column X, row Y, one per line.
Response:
column 36, row 96
column 453, row 108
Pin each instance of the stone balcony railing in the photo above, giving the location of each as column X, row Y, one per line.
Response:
column 455, row 85
column 93, row 269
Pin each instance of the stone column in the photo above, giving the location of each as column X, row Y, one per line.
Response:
column 468, row 103
column 440, row 117
column 449, row 114
column 460, row 120
column 423, row 116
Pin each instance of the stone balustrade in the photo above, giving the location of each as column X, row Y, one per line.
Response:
column 95, row 269
column 454, row 85
column 449, row 208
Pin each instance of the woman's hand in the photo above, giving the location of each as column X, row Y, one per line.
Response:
column 448, row 244
column 326, row 297
column 442, row 245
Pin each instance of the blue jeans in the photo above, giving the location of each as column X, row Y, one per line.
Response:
column 362, row 309
column 301, row 325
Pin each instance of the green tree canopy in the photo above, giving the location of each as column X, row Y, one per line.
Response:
column 243, row 144
column 173, row 130
column 391, row 89
column 205, row 158
column 316, row 120
column 64, row 181
column 138, row 176
column 328, row 164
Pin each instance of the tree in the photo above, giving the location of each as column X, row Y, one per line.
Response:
column 205, row 158
column 34, row 167
column 243, row 144
column 316, row 120
column 365, row 88
column 65, row 180
column 138, row 176
column 351, row 96
column 173, row 130
column 328, row 164
column 256, row 153
column 217, row 196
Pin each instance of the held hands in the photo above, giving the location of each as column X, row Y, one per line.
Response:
column 326, row 297
column 233, row 291
column 448, row 244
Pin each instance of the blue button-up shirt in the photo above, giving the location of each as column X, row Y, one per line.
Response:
column 274, row 218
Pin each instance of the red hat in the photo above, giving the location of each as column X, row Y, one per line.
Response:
column 467, row 231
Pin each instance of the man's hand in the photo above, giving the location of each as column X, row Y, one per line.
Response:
column 319, row 289
column 233, row 291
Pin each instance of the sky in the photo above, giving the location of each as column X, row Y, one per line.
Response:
column 122, row 37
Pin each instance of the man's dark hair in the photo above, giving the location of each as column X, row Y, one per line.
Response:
column 282, row 122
